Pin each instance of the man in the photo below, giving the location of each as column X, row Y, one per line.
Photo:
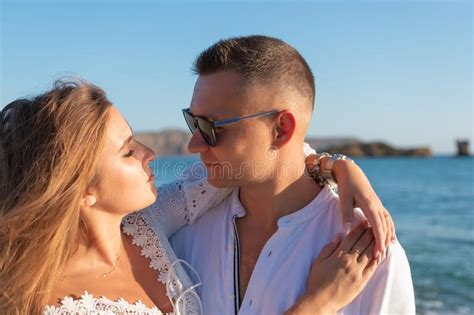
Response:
column 255, row 249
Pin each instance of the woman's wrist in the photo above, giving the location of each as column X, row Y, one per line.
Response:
column 340, row 168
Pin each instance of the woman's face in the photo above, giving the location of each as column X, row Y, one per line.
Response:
column 126, row 182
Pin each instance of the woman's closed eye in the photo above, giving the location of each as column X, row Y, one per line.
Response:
column 129, row 154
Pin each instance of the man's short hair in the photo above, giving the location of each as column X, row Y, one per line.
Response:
column 259, row 60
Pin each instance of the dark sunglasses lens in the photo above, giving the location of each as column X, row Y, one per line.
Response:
column 207, row 131
column 189, row 121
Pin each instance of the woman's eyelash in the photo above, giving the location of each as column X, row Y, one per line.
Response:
column 129, row 154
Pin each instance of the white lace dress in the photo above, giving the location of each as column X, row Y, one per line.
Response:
column 178, row 203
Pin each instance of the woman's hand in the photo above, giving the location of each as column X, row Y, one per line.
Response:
column 355, row 191
column 339, row 274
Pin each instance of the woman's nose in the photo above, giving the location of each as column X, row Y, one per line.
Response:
column 150, row 155
column 144, row 153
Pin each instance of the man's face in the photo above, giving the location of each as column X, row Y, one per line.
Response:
column 241, row 155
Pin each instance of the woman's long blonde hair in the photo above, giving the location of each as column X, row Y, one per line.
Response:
column 49, row 151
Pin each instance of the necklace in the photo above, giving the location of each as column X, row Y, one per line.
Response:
column 102, row 275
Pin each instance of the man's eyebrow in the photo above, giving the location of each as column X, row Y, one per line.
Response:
column 126, row 142
column 211, row 117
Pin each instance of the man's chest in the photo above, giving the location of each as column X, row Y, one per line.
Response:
column 251, row 243
column 270, row 271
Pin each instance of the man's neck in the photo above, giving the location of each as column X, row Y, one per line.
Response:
column 266, row 202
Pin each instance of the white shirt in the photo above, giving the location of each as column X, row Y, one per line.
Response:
column 281, row 272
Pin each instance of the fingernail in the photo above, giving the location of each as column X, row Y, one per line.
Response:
column 347, row 227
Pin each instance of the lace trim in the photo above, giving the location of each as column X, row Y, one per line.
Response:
column 88, row 304
column 136, row 226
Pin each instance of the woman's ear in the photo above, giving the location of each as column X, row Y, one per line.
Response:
column 88, row 199
column 285, row 128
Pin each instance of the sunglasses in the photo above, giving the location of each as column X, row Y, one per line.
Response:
column 208, row 128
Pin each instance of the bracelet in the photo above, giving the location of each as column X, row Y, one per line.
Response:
column 327, row 173
column 320, row 179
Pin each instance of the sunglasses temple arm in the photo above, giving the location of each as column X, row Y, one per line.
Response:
column 233, row 120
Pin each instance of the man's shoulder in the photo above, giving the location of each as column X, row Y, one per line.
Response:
column 396, row 255
column 215, row 215
column 328, row 208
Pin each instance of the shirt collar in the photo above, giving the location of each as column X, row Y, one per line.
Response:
column 236, row 207
column 309, row 211
column 304, row 214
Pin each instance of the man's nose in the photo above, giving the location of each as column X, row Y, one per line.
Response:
column 197, row 144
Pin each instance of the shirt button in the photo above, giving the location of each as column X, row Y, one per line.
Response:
column 269, row 254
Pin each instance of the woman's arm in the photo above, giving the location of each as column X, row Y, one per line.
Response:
column 355, row 190
column 339, row 274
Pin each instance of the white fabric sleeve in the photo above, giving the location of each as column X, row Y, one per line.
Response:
column 183, row 201
column 308, row 150
column 390, row 290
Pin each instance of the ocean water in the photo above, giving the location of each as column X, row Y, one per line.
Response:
column 432, row 203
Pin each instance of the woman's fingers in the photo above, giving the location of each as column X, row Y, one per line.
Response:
column 392, row 224
column 366, row 255
column 375, row 221
column 347, row 211
column 388, row 223
column 391, row 227
column 328, row 250
column 369, row 262
column 383, row 219
column 363, row 242
column 352, row 238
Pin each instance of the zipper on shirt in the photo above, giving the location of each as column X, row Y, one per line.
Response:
column 236, row 268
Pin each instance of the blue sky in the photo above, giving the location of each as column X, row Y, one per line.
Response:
column 398, row 71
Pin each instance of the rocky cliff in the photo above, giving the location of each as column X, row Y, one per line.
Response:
column 174, row 142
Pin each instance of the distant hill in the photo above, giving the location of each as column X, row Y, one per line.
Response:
column 166, row 142
column 175, row 141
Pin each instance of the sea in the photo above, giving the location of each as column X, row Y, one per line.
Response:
column 432, row 203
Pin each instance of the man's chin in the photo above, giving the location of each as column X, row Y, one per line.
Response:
column 220, row 183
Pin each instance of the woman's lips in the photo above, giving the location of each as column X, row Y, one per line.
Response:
column 152, row 178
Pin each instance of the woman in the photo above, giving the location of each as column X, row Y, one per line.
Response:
column 70, row 172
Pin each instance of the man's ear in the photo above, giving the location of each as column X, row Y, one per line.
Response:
column 284, row 129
